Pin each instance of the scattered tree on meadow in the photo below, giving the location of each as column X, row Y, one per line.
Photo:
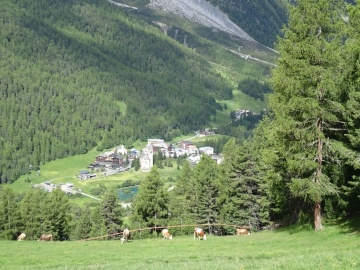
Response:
column 306, row 103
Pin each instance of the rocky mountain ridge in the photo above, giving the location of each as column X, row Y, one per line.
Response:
column 202, row 12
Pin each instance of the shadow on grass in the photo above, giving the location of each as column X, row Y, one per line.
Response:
column 350, row 224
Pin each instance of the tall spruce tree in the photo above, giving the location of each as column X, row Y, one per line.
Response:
column 180, row 198
column 350, row 200
column 10, row 220
column 150, row 206
column 59, row 218
column 83, row 226
column 205, row 191
column 112, row 212
column 307, row 101
column 242, row 199
column 30, row 209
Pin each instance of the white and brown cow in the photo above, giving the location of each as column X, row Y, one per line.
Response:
column 21, row 237
column 199, row 233
column 166, row 235
column 46, row 237
column 242, row 231
column 126, row 236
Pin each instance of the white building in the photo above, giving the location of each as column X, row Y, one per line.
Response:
column 194, row 159
column 121, row 150
column 207, row 150
column 147, row 159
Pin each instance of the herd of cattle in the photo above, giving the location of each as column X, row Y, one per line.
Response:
column 198, row 234
column 43, row 237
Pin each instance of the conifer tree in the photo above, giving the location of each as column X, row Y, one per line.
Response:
column 112, row 212
column 307, row 101
column 83, row 225
column 242, row 199
column 150, row 206
column 30, row 209
column 10, row 220
column 98, row 226
column 179, row 206
column 350, row 198
column 204, row 192
column 59, row 217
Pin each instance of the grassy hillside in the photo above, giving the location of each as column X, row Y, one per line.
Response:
column 335, row 248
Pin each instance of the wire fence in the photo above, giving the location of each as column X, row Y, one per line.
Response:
column 169, row 227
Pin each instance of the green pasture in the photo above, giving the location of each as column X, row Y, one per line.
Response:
column 333, row 248
column 239, row 101
column 57, row 171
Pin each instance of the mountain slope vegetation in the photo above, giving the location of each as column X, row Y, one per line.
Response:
column 75, row 75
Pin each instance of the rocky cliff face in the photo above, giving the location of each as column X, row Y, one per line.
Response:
column 200, row 11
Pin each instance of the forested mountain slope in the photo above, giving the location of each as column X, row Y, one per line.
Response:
column 74, row 75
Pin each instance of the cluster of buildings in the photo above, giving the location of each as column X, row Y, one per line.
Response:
column 67, row 188
column 182, row 148
column 239, row 114
column 120, row 158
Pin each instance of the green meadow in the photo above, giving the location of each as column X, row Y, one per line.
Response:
column 334, row 248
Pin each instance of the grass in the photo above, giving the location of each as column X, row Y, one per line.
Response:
column 58, row 171
column 239, row 101
column 333, row 248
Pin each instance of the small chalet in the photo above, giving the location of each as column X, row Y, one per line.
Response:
column 110, row 159
column 184, row 144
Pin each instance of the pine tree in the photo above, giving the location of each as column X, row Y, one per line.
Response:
column 59, row 217
column 10, row 220
column 242, row 199
column 98, row 226
column 350, row 198
column 150, row 206
column 204, row 193
column 307, row 101
column 112, row 212
column 180, row 199
column 83, row 225
column 30, row 209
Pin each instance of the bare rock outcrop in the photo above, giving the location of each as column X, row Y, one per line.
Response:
column 202, row 12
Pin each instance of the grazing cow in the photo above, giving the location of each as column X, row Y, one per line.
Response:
column 199, row 233
column 21, row 237
column 126, row 236
column 242, row 231
column 46, row 237
column 167, row 235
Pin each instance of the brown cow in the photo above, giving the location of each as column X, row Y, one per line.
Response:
column 126, row 236
column 242, row 231
column 46, row 237
column 21, row 237
column 167, row 235
column 199, row 233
